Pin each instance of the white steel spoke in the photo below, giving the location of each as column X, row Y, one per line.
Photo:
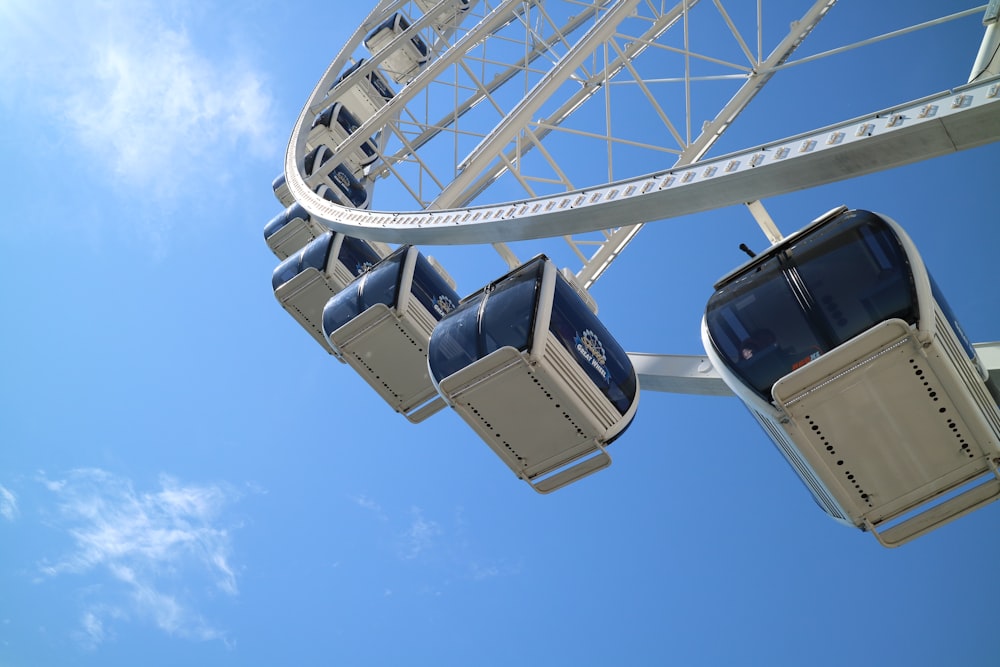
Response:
column 513, row 96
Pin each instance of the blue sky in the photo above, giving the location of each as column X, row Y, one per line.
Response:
column 185, row 478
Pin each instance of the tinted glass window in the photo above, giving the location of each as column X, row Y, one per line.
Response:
column 431, row 290
column 316, row 158
column 357, row 255
column 455, row 341
column 509, row 314
column 348, row 71
column 347, row 120
column 856, row 274
column 349, row 185
column 380, row 86
column 759, row 328
column 316, row 253
column 282, row 219
column 597, row 353
column 288, row 269
column 323, row 118
column 313, row 255
column 381, row 283
column 377, row 285
column 327, row 193
column 368, row 148
column 837, row 282
column 342, row 307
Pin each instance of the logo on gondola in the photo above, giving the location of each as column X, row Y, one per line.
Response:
column 443, row 305
column 341, row 178
column 589, row 347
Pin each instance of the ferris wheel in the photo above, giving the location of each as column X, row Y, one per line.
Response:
column 484, row 130
column 570, row 124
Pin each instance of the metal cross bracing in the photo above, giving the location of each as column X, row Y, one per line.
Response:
column 519, row 91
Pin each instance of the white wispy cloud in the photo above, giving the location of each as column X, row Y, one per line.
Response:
column 441, row 553
column 8, row 503
column 154, row 101
column 367, row 503
column 91, row 629
column 151, row 544
column 478, row 571
column 158, row 112
column 419, row 536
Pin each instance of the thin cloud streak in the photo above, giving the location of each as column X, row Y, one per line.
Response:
column 419, row 536
column 442, row 552
column 367, row 503
column 8, row 504
column 149, row 543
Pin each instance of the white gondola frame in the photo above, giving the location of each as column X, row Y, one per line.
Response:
column 305, row 295
column 508, row 386
column 955, row 379
column 404, row 62
column 387, row 347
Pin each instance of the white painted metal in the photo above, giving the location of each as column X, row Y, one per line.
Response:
column 988, row 60
column 678, row 374
column 555, row 205
column 948, row 122
column 605, row 25
column 764, row 221
column 695, row 374
column 443, row 212
column 847, row 423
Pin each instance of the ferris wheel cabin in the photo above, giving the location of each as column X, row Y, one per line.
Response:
column 365, row 96
column 449, row 16
column 404, row 62
column 291, row 230
column 381, row 323
column 281, row 191
column 305, row 281
column 334, row 125
column 845, row 351
column 337, row 185
column 531, row 369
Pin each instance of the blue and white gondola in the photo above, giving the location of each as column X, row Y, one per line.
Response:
column 281, row 191
column 338, row 184
column 534, row 372
column 291, row 230
column 305, row 281
column 334, row 125
column 381, row 323
column 349, row 190
column 845, row 351
column 361, row 99
column 365, row 96
column 404, row 62
column 449, row 16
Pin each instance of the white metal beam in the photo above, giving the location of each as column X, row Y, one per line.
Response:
column 694, row 151
column 678, row 374
column 483, row 154
column 948, row 122
column 694, row 374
